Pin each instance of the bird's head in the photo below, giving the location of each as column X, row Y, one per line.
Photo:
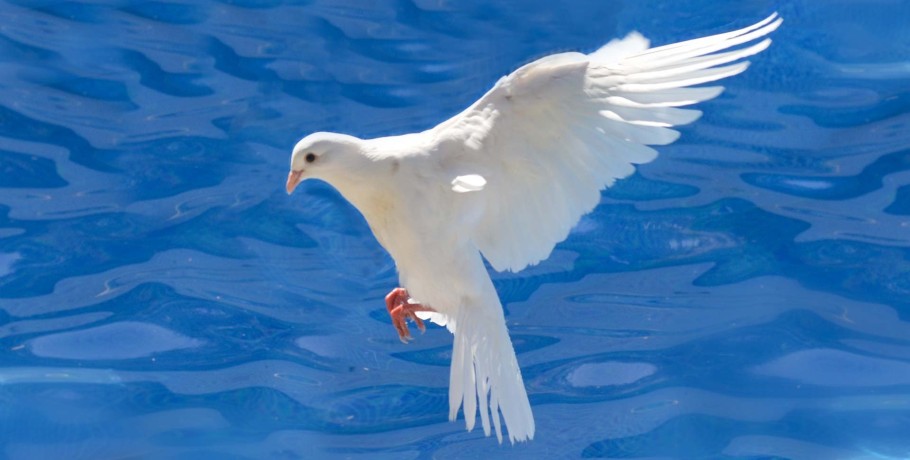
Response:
column 323, row 156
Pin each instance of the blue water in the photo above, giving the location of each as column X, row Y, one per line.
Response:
column 744, row 296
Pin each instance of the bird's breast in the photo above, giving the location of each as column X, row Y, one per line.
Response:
column 426, row 230
column 435, row 263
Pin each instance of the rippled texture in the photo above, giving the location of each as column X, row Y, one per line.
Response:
column 744, row 296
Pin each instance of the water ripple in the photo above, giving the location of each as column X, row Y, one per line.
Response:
column 745, row 295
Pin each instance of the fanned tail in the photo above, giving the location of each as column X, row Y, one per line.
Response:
column 485, row 373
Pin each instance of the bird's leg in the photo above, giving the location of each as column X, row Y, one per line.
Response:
column 400, row 309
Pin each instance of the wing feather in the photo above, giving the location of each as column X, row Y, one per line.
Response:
column 550, row 136
column 671, row 97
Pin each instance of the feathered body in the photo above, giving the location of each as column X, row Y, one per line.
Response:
column 508, row 178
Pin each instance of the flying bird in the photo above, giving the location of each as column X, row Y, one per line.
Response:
column 506, row 180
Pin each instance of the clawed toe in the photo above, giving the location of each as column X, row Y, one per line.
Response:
column 400, row 309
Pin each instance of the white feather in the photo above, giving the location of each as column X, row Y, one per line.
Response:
column 509, row 177
column 625, row 90
column 468, row 183
column 565, row 127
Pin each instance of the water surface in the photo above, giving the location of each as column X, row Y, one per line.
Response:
column 744, row 296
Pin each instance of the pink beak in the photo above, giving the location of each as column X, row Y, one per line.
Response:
column 294, row 178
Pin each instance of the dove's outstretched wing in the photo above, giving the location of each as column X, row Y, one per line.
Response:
column 550, row 136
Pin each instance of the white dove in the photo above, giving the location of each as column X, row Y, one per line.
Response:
column 507, row 179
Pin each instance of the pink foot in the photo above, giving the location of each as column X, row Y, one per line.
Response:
column 400, row 310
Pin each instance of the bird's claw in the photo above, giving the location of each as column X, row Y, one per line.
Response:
column 400, row 309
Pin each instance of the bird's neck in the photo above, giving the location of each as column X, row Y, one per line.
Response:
column 360, row 191
column 370, row 196
column 373, row 182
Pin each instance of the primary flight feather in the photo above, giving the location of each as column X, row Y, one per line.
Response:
column 506, row 180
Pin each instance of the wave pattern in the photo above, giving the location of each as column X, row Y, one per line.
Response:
column 745, row 296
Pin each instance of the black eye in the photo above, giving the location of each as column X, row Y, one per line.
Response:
column 310, row 157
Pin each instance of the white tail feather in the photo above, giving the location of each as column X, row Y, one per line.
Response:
column 484, row 368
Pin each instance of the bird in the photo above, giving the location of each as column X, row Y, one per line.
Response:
column 505, row 180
